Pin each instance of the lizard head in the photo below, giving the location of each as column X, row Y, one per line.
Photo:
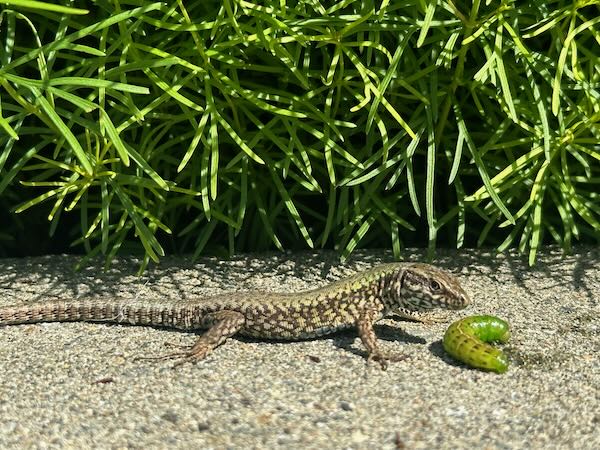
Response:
column 425, row 287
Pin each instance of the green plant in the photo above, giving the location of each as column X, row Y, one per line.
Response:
column 227, row 121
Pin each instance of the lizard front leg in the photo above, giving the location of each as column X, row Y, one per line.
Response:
column 222, row 325
column 364, row 323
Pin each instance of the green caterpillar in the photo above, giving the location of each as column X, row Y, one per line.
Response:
column 466, row 340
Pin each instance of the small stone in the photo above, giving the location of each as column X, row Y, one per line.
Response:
column 170, row 416
column 203, row 426
column 346, row 406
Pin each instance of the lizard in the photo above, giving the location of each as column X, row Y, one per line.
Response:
column 406, row 289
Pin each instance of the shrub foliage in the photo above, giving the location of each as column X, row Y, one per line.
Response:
column 247, row 125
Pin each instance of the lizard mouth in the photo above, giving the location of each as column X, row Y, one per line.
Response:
column 461, row 302
column 418, row 304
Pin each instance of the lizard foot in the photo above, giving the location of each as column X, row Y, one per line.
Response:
column 181, row 347
column 384, row 360
column 380, row 358
column 193, row 354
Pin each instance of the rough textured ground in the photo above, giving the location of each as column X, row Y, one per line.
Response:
column 76, row 385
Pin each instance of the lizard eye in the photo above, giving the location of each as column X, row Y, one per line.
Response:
column 434, row 285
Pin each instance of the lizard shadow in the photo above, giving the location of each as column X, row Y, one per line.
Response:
column 345, row 339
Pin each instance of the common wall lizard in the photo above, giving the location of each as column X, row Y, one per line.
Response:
column 355, row 302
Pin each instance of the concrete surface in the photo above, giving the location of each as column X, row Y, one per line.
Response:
column 77, row 385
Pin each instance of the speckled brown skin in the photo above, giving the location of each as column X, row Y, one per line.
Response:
column 355, row 302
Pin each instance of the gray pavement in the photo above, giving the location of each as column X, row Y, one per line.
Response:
column 77, row 385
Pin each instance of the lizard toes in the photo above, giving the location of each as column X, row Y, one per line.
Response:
column 181, row 347
column 193, row 356
column 380, row 358
column 384, row 360
column 161, row 357
column 396, row 358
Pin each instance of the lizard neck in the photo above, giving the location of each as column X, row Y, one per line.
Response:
column 381, row 288
column 391, row 290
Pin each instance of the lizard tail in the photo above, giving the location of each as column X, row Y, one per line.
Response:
column 101, row 310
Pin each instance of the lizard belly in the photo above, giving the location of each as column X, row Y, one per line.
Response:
column 294, row 325
column 288, row 331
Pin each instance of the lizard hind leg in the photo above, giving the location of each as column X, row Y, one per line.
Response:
column 221, row 326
